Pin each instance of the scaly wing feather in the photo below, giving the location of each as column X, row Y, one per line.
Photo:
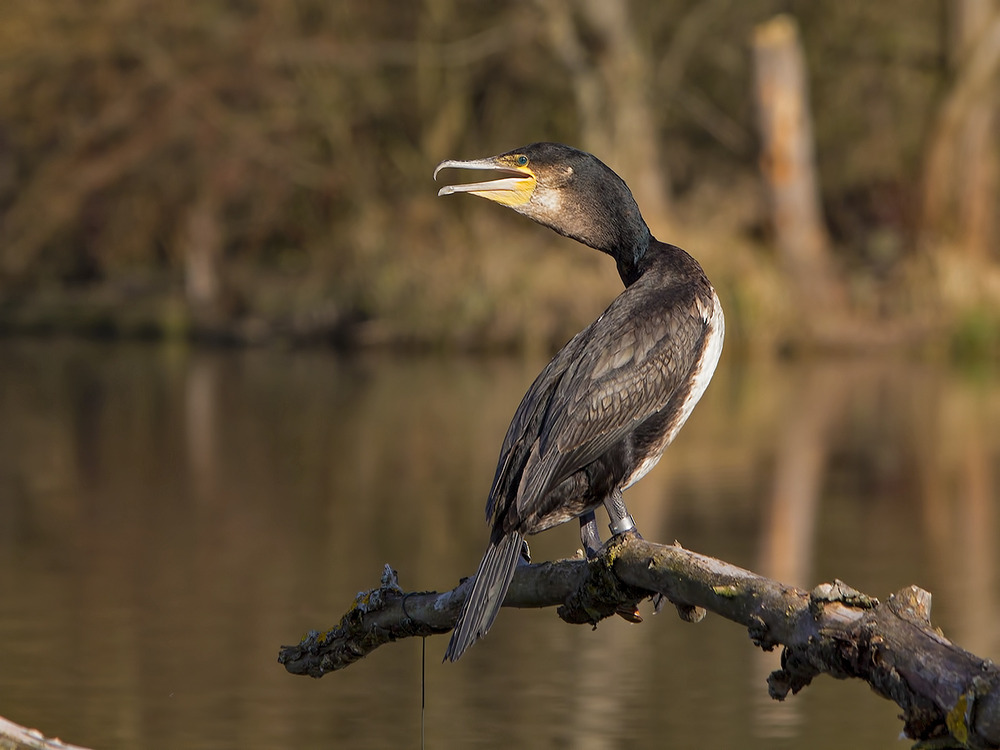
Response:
column 618, row 372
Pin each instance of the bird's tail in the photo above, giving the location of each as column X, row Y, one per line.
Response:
column 488, row 591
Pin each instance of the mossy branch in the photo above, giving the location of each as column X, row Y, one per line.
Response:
column 949, row 697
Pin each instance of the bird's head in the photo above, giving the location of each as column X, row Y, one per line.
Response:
column 563, row 188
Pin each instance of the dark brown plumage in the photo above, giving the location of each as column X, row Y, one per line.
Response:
column 599, row 416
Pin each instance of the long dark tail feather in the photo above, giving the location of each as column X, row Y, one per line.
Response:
column 488, row 591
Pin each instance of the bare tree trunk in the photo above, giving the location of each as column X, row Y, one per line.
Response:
column 960, row 185
column 611, row 74
column 201, row 247
column 787, row 161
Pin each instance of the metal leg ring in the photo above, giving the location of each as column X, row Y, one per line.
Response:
column 621, row 525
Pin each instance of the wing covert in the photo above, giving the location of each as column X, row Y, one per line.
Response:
column 616, row 383
column 618, row 372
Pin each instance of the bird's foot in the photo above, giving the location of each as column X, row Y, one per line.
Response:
column 590, row 538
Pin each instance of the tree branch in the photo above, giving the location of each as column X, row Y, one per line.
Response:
column 949, row 696
column 15, row 737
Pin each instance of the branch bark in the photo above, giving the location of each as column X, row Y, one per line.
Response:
column 947, row 694
column 15, row 737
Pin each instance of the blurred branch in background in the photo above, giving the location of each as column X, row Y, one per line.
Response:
column 262, row 169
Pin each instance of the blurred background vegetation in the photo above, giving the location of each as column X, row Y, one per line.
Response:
column 247, row 170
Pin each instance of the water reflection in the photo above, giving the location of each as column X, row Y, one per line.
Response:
column 169, row 517
column 804, row 422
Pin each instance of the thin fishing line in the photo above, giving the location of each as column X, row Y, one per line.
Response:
column 423, row 686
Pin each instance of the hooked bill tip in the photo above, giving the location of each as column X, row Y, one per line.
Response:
column 449, row 163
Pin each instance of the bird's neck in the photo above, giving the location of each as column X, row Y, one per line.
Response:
column 629, row 262
column 625, row 241
column 622, row 234
column 629, row 249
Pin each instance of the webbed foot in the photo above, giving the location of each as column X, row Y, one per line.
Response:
column 590, row 537
column 525, row 557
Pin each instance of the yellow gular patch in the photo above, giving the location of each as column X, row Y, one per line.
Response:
column 517, row 195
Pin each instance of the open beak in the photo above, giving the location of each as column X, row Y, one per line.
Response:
column 513, row 187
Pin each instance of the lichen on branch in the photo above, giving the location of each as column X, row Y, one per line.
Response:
column 949, row 697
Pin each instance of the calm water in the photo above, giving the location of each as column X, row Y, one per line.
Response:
column 169, row 518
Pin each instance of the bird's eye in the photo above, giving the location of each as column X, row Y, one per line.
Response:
column 521, row 160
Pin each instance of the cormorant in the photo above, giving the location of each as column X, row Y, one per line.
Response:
column 602, row 411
